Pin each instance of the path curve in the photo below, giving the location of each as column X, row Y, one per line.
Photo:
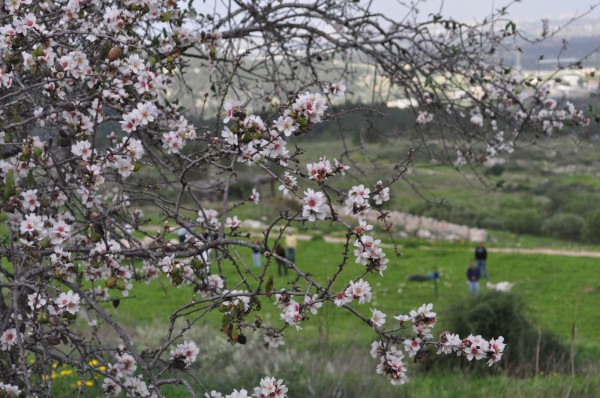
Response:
column 550, row 252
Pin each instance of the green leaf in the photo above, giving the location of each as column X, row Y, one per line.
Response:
column 9, row 185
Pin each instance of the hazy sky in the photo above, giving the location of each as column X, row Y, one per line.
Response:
column 467, row 10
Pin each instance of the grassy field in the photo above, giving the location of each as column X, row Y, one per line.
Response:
column 558, row 290
column 329, row 357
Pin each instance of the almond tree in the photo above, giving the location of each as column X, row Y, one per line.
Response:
column 91, row 137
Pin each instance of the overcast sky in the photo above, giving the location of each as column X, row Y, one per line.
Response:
column 468, row 10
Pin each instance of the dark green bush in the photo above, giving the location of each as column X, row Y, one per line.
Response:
column 564, row 226
column 494, row 170
column 492, row 314
column 526, row 221
column 592, row 228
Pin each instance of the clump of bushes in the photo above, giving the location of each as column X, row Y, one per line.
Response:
column 592, row 228
column 564, row 226
column 526, row 221
column 492, row 314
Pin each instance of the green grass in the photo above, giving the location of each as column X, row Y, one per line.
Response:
column 558, row 290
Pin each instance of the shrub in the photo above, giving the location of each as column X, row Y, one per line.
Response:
column 592, row 228
column 494, row 170
column 527, row 221
column 496, row 313
column 564, row 226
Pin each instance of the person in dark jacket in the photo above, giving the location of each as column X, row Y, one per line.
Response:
column 481, row 258
column 473, row 277
column 281, row 266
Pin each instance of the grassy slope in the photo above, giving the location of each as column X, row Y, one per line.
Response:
column 557, row 289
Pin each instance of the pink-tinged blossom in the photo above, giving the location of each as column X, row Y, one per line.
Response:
column 315, row 206
column 475, row 347
column 274, row 339
column 496, row 349
column 362, row 227
column 255, row 197
column 341, row 299
column 271, row 388
column 231, row 108
column 125, row 363
column 377, row 318
column 424, row 117
column 83, row 149
column 208, row 217
column 285, row 125
column 8, row 339
column 320, row 170
column 146, row 112
column 376, row 349
column 134, row 64
column 292, row 314
column 59, row 232
column 402, row 318
column 23, row 25
column 232, row 222
column 111, row 388
column 237, row 297
column 30, row 200
column 335, row 90
column 391, row 365
column 360, row 291
column 68, row 301
column 312, row 303
column 130, row 147
column 32, row 224
column 36, row 301
column 369, row 254
column 340, row 167
column 136, row 387
column 6, row 78
column 254, row 122
column 311, row 106
column 216, row 282
column 449, row 343
column 382, row 194
column 412, row 346
column 213, row 394
column 289, row 183
column 186, row 352
column 10, row 390
column 131, row 121
column 238, row 394
column 229, row 137
column 172, row 142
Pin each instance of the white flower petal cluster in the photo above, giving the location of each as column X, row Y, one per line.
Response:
column 187, row 352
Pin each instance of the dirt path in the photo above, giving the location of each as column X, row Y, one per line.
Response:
column 550, row 252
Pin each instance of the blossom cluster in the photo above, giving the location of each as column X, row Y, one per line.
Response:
column 421, row 321
column 269, row 387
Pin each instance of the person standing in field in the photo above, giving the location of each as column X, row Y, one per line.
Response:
column 481, row 258
column 291, row 243
column 473, row 277
column 256, row 253
column 281, row 266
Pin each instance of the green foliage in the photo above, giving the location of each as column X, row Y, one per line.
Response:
column 564, row 226
column 493, row 314
column 524, row 221
column 592, row 228
column 495, row 170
